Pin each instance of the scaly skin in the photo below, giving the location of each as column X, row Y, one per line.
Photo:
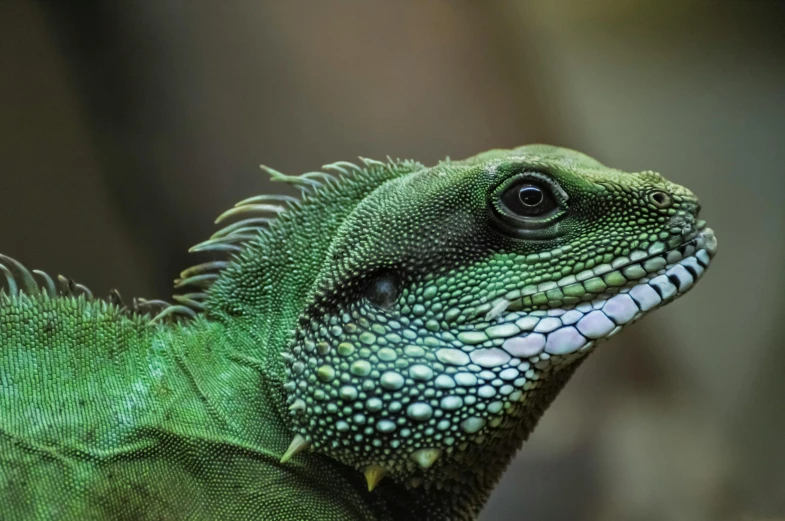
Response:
column 396, row 322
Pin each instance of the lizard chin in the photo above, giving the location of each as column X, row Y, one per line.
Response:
column 387, row 397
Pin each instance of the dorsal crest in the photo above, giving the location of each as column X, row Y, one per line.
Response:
column 250, row 220
column 23, row 283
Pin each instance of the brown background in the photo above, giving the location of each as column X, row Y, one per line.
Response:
column 126, row 127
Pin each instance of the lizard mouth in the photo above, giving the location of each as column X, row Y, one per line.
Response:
column 617, row 296
column 437, row 394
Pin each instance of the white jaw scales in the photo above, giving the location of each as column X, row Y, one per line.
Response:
column 560, row 332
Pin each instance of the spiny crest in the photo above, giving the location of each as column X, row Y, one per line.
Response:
column 21, row 282
column 251, row 218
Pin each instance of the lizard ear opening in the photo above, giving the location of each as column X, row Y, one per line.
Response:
column 383, row 290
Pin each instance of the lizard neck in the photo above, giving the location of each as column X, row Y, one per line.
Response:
column 463, row 484
column 263, row 291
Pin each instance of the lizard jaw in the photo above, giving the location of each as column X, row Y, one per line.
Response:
column 502, row 371
column 564, row 331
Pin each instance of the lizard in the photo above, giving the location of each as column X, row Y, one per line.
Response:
column 377, row 348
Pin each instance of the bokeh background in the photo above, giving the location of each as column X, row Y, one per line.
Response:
column 126, row 127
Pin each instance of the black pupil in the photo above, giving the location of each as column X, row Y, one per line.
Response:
column 531, row 195
column 528, row 198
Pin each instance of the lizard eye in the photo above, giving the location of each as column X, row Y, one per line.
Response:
column 528, row 204
column 528, row 199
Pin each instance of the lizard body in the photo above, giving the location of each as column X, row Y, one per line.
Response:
column 377, row 349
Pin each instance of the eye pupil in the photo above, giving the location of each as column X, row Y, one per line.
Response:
column 529, row 204
column 530, row 195
column 528, row 198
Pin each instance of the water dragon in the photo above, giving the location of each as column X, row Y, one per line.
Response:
column 376, row 348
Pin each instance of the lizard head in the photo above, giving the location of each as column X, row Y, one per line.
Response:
column 456, row 300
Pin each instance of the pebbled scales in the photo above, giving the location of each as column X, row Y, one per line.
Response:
column 375, row 349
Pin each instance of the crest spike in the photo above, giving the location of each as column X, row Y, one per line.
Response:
column 291, row 179
column 85, row 290
column 222, row 243
column 246, row 225
column 272, row 172
column 249, row 208
column 319, row 175
column 29, row 284
column 190, row 301
column 67, row 286
column 172, row 310
column 280, row 198
column 203, row 280
column 203, row 268
column 337, row 168
column 372, row 162
column 115, row 298
column 13, row 289
column 49, row 284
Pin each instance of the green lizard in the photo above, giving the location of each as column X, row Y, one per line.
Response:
column 376, row 349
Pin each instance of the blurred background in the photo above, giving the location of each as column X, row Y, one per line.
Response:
column 126, row 127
